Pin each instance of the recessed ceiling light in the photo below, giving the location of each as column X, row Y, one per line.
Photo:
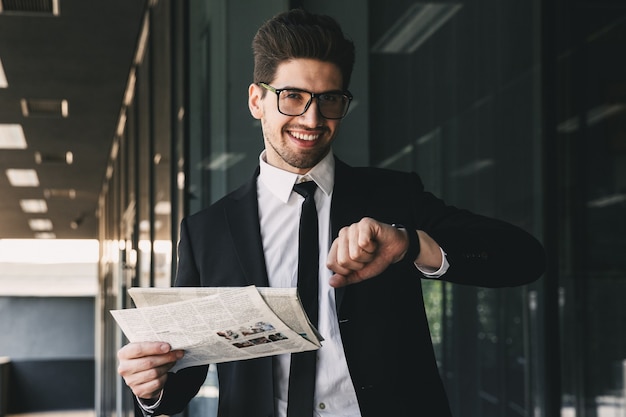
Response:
column 45, row 235
column 54, row 158
column 37, row 107
column 12, row 136
column 121, row 124
column 69, row 193
column 3, row 78
column 40, row 225
column 23, row 177
column 34, row 206
column 30, row 7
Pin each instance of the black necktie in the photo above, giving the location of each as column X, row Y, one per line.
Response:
column 302, row 370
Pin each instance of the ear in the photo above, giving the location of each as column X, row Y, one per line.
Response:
column 255, row 101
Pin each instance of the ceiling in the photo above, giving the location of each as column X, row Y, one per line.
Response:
column 66, row 63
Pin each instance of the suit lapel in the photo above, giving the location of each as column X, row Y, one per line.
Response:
column 348, row 206
column 242, row 215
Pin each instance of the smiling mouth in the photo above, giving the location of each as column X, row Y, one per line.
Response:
column 304, row 136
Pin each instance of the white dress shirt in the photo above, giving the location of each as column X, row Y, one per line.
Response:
column 279, row 215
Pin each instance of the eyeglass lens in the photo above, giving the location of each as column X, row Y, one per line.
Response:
column 296, row 102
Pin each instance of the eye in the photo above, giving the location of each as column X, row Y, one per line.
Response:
column 331, row 98
column 293, row 95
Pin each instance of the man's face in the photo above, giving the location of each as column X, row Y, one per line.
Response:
column 296, row 143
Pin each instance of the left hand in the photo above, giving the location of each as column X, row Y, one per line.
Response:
column 364, row 250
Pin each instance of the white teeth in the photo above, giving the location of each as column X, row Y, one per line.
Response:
column 302, row 136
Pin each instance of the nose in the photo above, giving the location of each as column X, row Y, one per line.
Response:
column 312, row 114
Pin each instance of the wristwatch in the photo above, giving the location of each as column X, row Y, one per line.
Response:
column 413, row 250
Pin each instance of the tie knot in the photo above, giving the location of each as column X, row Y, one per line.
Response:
column 306, row 188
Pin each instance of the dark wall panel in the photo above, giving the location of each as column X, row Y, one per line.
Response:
column 51, row 385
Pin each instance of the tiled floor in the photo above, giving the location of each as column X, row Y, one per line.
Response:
column 71, row 413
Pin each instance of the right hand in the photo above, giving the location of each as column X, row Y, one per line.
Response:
column 363, row 250
column 144, row 366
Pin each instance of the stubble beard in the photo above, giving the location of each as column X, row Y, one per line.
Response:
column 304, row 159
column 301, row 160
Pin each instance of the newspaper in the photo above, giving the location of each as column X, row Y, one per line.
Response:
column 214, row 325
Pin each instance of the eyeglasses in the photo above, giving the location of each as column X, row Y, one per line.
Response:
column 295, row 102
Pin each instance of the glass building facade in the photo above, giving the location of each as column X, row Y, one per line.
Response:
column 512, row 109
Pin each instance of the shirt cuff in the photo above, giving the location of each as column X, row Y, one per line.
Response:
column 149, row 408
column 435, row 273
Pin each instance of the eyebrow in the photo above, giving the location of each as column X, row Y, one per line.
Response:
column 307, row 91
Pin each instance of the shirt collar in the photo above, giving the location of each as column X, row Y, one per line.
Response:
column 281, row 182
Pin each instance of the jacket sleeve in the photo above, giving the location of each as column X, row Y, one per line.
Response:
column 183, row 385
column 481, row 250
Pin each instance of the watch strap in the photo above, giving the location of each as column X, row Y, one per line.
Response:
column 413, row 250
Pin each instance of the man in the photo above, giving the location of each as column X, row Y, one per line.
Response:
column 386, row 232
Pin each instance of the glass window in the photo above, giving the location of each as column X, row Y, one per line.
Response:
column 454, row 90
column 590, row 169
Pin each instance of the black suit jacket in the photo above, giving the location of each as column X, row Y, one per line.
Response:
column 382, row 320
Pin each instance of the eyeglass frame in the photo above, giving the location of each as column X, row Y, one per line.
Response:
column 277, row 91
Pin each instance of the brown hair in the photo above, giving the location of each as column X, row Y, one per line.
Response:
column 295, row 34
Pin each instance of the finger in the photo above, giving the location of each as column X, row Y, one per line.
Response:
column 141, row 349
column 338, row 269
column 147, row 381
column 147, row 375
column 361, row 252
column 368, row 270
column 338, row 281
column 345, row 261
column 132, row 366
column 147, row 385
column 348, row 249
column 369, row 230
column 360, row 245
column 340, row 260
